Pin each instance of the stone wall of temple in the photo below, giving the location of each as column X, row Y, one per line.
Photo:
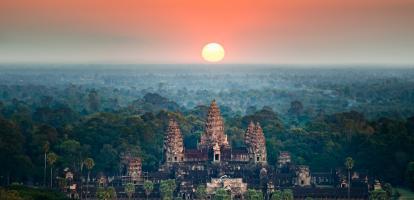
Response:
column 235, row 185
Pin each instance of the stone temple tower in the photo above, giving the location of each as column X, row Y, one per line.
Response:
column 173, row 143
column 249, row 133
column 214, row 129
column 256, row 143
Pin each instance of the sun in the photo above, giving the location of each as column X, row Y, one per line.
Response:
column 213, row 52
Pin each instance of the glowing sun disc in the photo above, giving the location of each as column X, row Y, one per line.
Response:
column 213, row 52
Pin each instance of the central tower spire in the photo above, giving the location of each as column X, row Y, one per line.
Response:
column 214, row 128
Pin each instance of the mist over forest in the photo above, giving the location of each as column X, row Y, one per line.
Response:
column 375, row 92
column 320, row 114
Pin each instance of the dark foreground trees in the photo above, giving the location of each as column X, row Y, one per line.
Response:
column 410, row 175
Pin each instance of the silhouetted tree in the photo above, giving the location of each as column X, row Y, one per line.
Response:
column 89, row 163
column 349, row 164
column 51, row 159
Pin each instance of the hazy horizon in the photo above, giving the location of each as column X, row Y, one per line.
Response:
column 201, row 66
column 264, row 31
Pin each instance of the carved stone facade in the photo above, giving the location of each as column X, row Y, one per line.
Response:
column 249, row 133
column 131, row 167
column 173, row 143
column 283, row 159
column 256, row 143
column 135, row 169
column 213, row 146
column 303, row 176
column 214, row 129
column 235, row 186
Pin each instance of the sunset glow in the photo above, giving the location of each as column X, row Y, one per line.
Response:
column 252, row 31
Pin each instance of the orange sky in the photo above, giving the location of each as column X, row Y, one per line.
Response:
column 163, row 31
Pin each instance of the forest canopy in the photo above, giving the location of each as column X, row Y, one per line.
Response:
column 105, row 121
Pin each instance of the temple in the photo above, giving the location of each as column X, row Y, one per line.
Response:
column 214, row 160
column 215, row 164
column 213, row 148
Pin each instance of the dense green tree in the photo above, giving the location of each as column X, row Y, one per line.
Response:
column 148, row 187
column 201, row 192
column 410, row 175
column 106, row 193
column 9, row 194
column 287, row 194
column 167, row 188
column 101, row 193
column 378, row 194
column 69, row 151
column 388, row 189
column 111, row 193
column 252, row 194
column 11, row 150
column 221, row 194
column 129, row 189
column 108, row 159
column 276, row 195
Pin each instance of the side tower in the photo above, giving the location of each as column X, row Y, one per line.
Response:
column 135, row 169
column 173, row 144
column 214, row 129
column 249, row 133
column 256, row 143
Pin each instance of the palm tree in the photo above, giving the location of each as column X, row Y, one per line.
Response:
column 51, row 159
column 349, row 164
column 111, row 193
column 130, row 189
column 89, row 163
column 148, row 187
column 45, row 150
column 101, row 193
column 167, row 188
